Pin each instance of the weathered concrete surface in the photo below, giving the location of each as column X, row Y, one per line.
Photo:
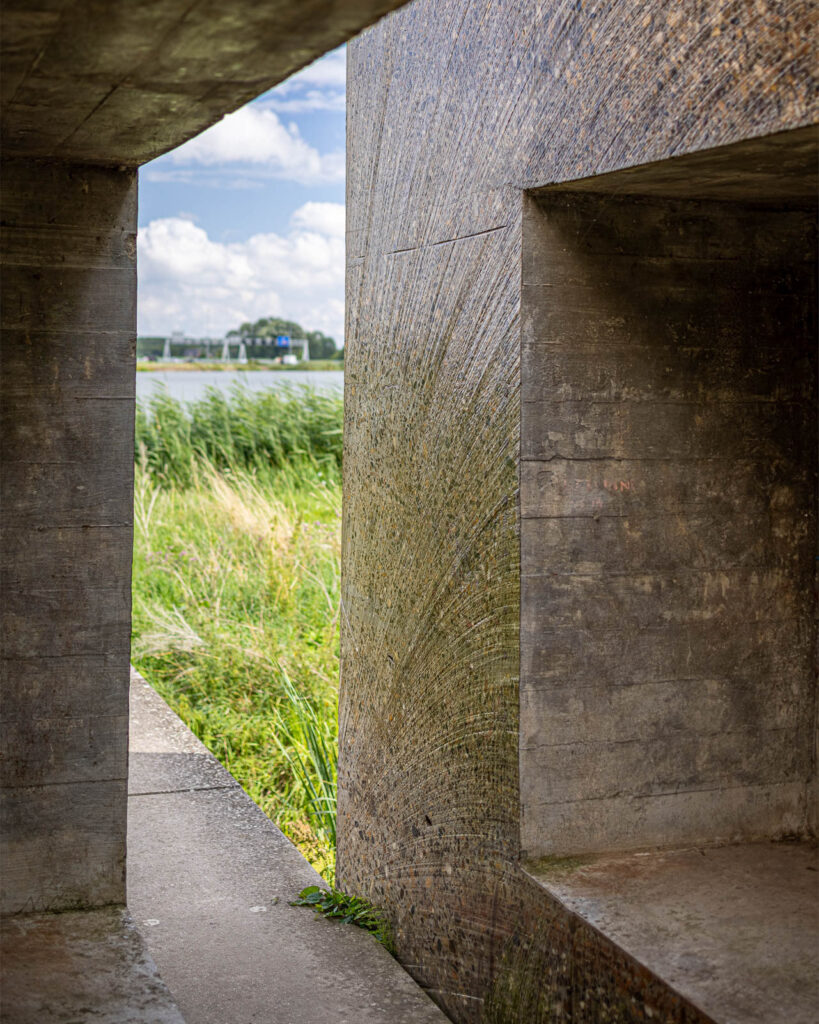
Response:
column 79, row 967
column 209, row 880
column 735, row 929
column 668, row 513
column 455, row 109
column 66, row 504
column 96, row 81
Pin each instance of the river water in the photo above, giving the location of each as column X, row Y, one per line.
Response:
column 191, row 385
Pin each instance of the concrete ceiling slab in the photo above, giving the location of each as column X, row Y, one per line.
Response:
column 104, row 82
column 779, row 168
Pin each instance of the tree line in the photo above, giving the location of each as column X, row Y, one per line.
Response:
column 322, row 346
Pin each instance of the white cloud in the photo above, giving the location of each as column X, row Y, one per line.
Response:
column 254, row 137
column 328, row 71
column 189, row 282
column 326, row 218
column 307, row 102
column 319, row 86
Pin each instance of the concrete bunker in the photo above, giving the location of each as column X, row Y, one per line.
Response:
column 458, row 111
column 668, row 503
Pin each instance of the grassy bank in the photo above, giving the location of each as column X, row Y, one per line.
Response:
column 251, row 364
column 236, row 591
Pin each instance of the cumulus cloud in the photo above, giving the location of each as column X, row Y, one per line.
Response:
column 189, row 282
column 326, row 218
column 257, row 138
column 253, row 145
column 329, row 70
column 319, row 86
column 308, row 101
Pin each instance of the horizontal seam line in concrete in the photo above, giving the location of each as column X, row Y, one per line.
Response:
column 74, row 397
column 68, row 581
column 681, row 571
column 184, row 789
column 66, row 226
column 74, row 393
column 625, row 795
column 445, row 241
column 671, row 257
column 68, row 264
column 637, row 513
column 669, row 460
column 90, row 461
column 672, row 460
column 562, row 627
column 627, row 684
column 69, row 332
column 91, row 715
column 78, row 526
column 600, row 744
column 716, row 403
column 532, row 686
column 59, row 657
column 69, row 782
column 127, row 266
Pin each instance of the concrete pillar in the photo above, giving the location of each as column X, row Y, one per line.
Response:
column 66, row 455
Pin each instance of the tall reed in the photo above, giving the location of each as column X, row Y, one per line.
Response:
column 241, row 430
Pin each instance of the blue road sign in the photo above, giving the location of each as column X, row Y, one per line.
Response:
column 282, row 340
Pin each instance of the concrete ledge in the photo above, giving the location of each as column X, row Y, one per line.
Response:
column 80, row 966
column 732, row 929
column 209, row 880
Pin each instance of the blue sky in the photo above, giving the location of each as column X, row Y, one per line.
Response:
column 247, row 219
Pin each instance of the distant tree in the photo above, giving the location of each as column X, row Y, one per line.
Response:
column 322, row 346
column 270, row 326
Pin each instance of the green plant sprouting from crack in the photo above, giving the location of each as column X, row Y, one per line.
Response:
column 348, row 909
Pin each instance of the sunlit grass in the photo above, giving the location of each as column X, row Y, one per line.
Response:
column 236, row 596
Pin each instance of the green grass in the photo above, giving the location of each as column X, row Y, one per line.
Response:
column 236, row 591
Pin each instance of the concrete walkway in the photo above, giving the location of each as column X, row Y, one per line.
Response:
column 209, row 880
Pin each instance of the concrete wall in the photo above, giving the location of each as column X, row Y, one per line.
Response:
column 66, row 449
column 668, row 532
column 455, row 109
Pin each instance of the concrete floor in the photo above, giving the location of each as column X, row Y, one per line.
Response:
column 210, row 878
column 734, row 929
column 78, row 967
